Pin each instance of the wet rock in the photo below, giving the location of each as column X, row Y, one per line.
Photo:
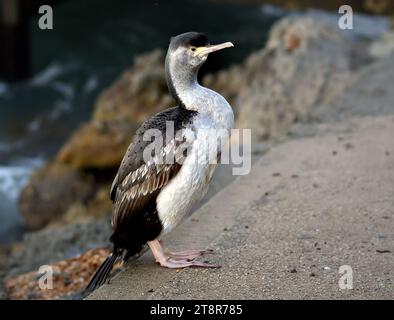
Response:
column 50, row 192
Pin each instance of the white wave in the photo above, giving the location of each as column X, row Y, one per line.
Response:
column 47, row 75
column 61, row 107
column 65, row 89
column 90, row 84
column 14, row 177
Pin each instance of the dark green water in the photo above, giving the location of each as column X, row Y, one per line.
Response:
column 92, row 42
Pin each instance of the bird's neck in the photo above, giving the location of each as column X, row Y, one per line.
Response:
column 183, row 85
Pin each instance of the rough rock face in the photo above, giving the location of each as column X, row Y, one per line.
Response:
column 97, row 207
column 97, row 144
column 50, row 191
column 305, row 63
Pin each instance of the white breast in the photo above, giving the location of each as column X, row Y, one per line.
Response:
column 187, row 188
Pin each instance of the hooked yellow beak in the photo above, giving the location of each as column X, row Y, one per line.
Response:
column 203, row 51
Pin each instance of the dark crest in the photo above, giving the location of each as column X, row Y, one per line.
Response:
column 195, row 39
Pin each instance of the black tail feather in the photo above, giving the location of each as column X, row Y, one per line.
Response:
column 103, row 272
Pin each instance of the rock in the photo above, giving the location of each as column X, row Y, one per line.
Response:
column 97, row 144
column 305, row 63
column 228, row 83
column 366, row 27
column 379, row 7
column 50, row 192
column 384, row 46
column 70, row 277
column 4, row 254
column 55, row 244
column 139, row 92
column 370, row 6
column 68, row 244
column 99, row 206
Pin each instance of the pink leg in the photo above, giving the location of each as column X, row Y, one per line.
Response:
column 177, row 260
column 189, row 255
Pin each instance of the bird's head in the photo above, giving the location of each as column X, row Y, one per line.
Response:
column 191, row 49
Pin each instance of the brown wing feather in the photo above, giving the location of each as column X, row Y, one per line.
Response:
column 131, row 197
column 141, row 186
column 133, row 158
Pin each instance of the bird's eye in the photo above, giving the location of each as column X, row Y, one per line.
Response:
column 193, row 48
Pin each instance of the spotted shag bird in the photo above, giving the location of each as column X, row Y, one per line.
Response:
column 151, row 196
